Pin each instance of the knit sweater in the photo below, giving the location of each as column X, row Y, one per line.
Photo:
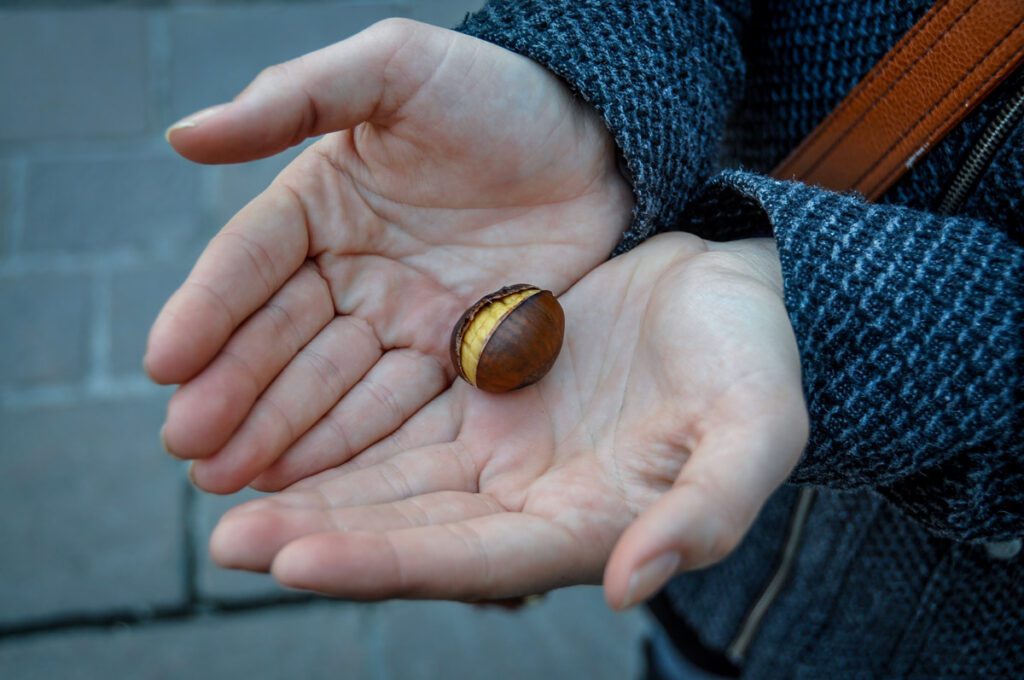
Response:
column 908, row 324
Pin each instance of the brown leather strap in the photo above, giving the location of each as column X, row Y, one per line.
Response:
column 947, row 63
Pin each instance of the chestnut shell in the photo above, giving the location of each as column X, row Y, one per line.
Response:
column 524, row 345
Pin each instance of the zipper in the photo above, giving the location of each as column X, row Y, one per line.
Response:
column 975, row 163
column 737, row 649
column 981, row 154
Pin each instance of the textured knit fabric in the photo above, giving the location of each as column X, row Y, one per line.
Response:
column 910, row 363
column 640, row 65
column 908, row 323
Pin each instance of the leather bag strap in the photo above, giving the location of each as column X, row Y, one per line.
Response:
column 926, row 84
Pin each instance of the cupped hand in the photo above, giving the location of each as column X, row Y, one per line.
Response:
column 316, row 322
column 672, row 413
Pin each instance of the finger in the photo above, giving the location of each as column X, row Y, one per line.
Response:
column 439, row 421
column 335, row 88
column 249, row 537
column 447, row 466
column 439, row 467
column 712, row 504
column 436, row 424
column 315, row 380
column 495, row 556
column 244, row 265
column 395, row 388
column 203, row 414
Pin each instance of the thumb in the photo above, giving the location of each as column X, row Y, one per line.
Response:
column 705, row 514
column 334, row 88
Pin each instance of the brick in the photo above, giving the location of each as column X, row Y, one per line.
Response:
column 93, row 510
column 43, row 339
column 215, row 583
column 137, row 294
column 321, row 640
column 96, row 205
column 571, row 634
column 72, row 74
column 217, row 51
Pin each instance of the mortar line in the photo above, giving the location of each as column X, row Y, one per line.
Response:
column 158, row 46
column 190, row 566
column 42, row 396
column 211, row 186
column 142, row 145
column 69, row 262
column 372, row 639
column 99, row 332
column 114, row 618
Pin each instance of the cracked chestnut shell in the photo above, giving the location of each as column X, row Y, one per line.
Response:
column 508, row 339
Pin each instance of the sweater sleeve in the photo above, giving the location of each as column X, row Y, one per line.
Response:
column 909, row 331
column 663, row 75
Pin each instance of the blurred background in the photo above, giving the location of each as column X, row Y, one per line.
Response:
column 103, row 562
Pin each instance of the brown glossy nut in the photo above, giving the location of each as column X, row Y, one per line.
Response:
column 508, row 339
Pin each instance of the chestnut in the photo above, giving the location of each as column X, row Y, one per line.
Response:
column 508, row 339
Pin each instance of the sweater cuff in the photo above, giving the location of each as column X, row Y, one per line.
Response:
column 908, row 326
column 663, row 76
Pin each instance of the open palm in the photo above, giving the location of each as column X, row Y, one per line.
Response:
column 317, row 321
column 675, row 409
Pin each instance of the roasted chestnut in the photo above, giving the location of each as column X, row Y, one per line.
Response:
column 508, row 339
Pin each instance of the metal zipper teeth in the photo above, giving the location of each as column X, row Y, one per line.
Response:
column 737, row 650
column 978, row 159
column 981, row 154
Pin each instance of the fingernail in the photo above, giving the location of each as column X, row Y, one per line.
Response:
column 163, row 438
column 647, row 579
column 193, row 121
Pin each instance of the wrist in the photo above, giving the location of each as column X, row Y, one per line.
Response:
column 754, row 259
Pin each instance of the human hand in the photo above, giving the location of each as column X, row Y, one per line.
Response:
column 317, row 321
column 672, row 414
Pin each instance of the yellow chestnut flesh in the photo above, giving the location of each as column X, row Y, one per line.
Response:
column 508, row 339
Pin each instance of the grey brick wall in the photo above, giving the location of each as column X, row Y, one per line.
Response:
column 104, row 560
column 46, row 323
column 279, row 643
column 203, row 72
column 92, row 510
column 79, row 205
column 73, row 74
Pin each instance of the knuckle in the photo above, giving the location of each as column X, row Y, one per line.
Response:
column 396, row 479
column 219, row 404
column 394, row 28
column 326, row 371
column 273, row 73
column 476, row 553
column 385, row 399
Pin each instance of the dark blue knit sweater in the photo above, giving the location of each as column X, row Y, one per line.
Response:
column 909, row 324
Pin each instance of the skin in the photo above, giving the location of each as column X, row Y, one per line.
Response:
column 310, row 341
